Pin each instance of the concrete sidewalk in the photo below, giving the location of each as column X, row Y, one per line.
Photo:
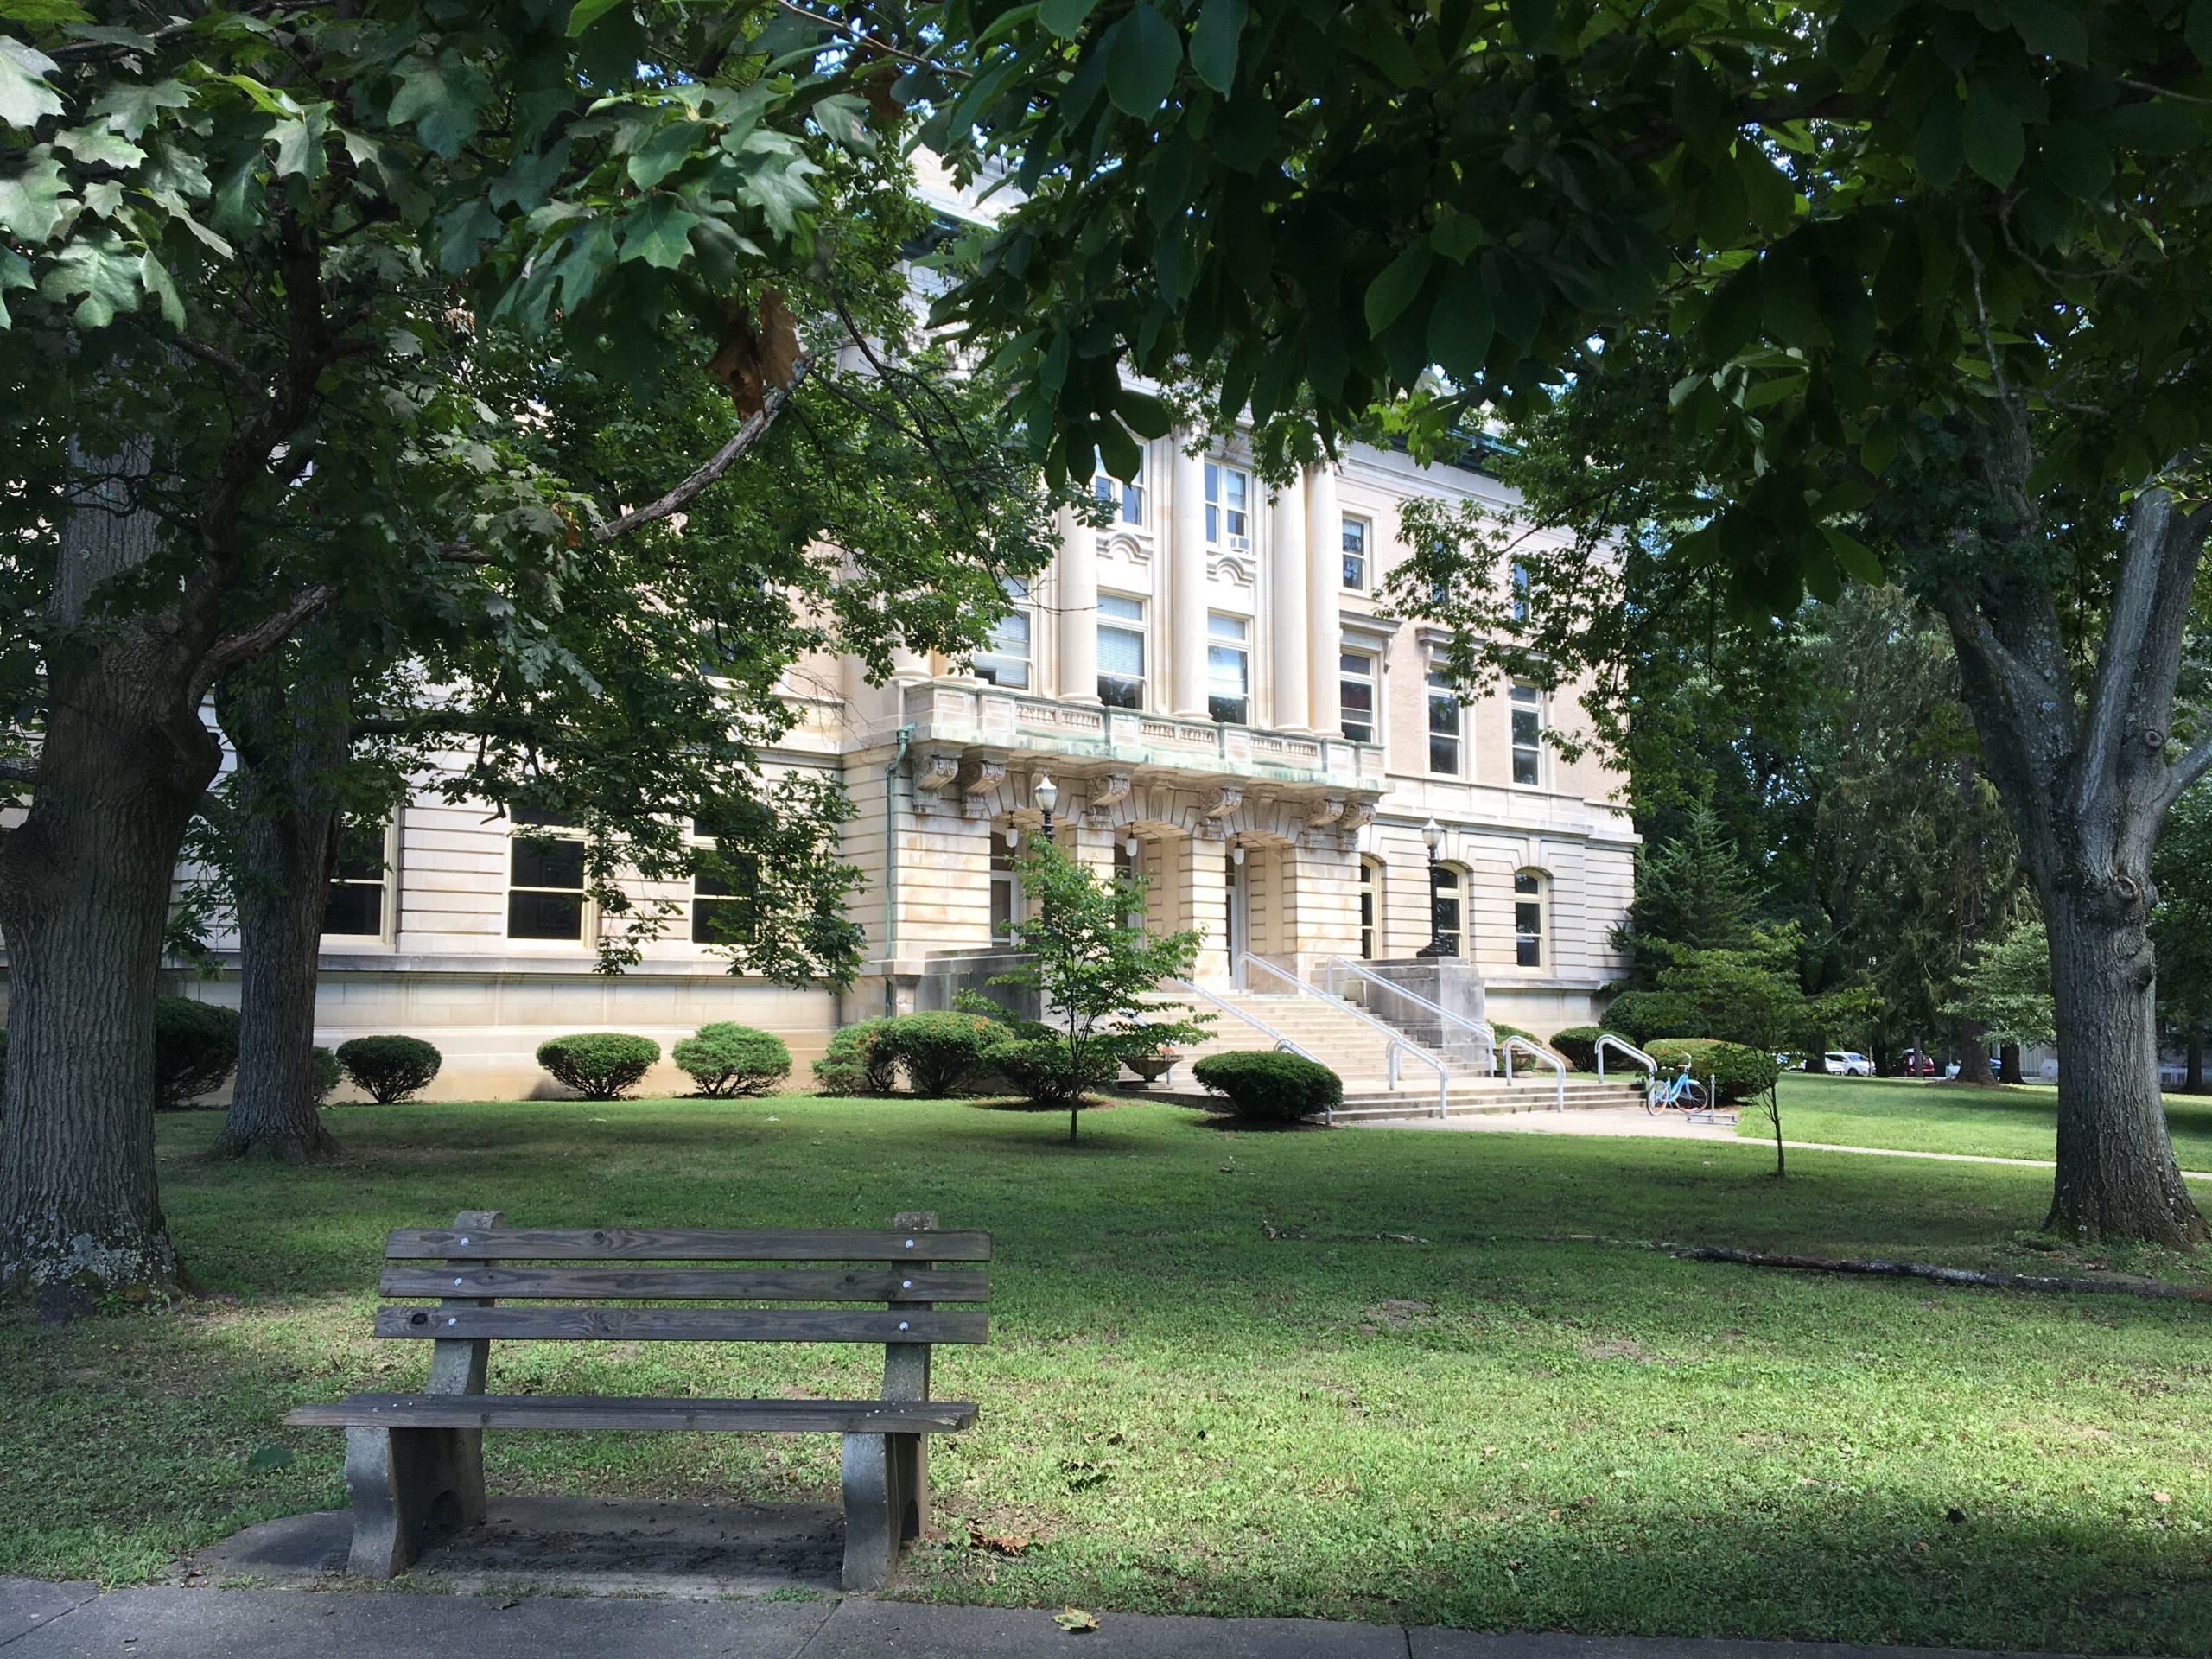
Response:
column 40, row 1620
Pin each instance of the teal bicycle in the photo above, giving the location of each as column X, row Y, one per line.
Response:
column 1679, row 1093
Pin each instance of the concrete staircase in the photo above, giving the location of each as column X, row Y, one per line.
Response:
column 1359, row 1053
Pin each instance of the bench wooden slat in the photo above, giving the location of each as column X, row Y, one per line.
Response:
column 602, row 1412
column 682, row 1244
column 688, row 1284
column 686, row 1324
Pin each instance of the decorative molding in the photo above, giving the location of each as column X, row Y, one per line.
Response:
column 1326, row 811
column 1221, row 803
column 1126, row 545
column 1112, row 791
column 1356, row 816
column 1239, row 567
column 977, row 774
column 934, row 772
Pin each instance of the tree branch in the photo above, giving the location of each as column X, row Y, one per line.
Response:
column 19, row 768
column 2120, row 653
column 722, row 460
column 2188, row 770
column 230, row 651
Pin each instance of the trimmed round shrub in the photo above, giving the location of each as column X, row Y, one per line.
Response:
column 327, row 1073
column 727, row 1059
column 852, row 1065
column 1736, row 1072
column 195, row 1050
column 1271, row 1087
column 940, row 1051
column 1578, row 1044
column 387, row 1069
column 599, row 1065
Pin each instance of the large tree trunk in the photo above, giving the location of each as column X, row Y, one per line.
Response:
column 291, row 740
column 2194, row 1082
column 1973, row 1051
column 2117, row 1177
column 2008, row 1063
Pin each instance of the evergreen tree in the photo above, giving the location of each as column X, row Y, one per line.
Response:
column 1692, row 893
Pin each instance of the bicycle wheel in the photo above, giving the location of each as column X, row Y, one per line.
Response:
column 1655, row 1101
column 1694, row 1096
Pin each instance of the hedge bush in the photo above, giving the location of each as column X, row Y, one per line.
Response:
column 1642, row 1016
column 1578, row 1044
column 1271, row 1087
column 727, row 1059
column 327, row 1074
column 195, row 1050
column 599, row 1065
column 1736, row 1072
column 387, row 1069
column 940, row 1051
column 852, row 1065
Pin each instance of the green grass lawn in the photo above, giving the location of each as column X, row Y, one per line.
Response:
column 1361, row 1373
column 1931, row 1114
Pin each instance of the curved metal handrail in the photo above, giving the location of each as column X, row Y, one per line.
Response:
column 1606, row 1040
column 1260, row 1026
column 1539, row 1051
column 1398, row 1040
column 1335, row 965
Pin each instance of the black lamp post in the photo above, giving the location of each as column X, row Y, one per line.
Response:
column 1432, row 836
column 1047, row 794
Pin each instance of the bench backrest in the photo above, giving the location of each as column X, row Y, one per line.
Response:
column 477, row 1263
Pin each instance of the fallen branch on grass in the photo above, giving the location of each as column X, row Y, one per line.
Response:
column 1942, row 1275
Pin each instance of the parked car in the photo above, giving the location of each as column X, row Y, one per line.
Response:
column 1917, row 1064
column 1848, row 1063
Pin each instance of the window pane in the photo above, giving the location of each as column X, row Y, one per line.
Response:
column 556, row 863
column 720, row 921
column 1226, row 627
column 545, row 915
column 1118, row 693
column 1120, row 608
column 1121, row 650
column 354, row 909
column 1229, row 711
column 1357, row 698
column 360, row 855
column 1528, row 882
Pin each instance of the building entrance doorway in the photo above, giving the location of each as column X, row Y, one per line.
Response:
column 1239, row 912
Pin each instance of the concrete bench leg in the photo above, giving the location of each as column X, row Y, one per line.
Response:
column 408, row 1487
column 886, row 1500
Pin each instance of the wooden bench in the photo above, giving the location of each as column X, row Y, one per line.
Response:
column 414, row 1462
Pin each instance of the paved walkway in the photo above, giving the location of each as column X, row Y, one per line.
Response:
column 73, row 1621
column 1634, row 1122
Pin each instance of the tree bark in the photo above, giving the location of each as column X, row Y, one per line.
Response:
column 290, row 734
column 2008, row 1063
column 85, row 893
column 1973, row 1051
column 2194, row 1082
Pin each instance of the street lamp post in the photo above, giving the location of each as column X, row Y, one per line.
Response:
column 1047, row 794
column 1432, row 836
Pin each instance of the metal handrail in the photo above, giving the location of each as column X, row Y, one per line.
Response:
column 1346, row 965
column 1539, row 1051
column 1397, row 1038
column 1606, row 1040
column 1281, row 1042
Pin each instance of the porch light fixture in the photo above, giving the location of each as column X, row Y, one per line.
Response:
column 1130, row 845
column 1432, row 836
column 1236, row 853
column 1047, row 794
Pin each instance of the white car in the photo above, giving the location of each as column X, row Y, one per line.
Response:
column 1844, row 1063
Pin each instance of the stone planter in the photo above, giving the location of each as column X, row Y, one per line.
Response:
column 1151, row 1067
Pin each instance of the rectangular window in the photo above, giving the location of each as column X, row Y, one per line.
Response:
column 1528, row 919
column 1356, row 691
column 1228, row 505
column 1449, row 920
column 1121, row 651
column 1229, row 670
column 722, row 901
column 1006, row 890
column 1356, row 554
column 1005, row 661
column 1519, row 577
column 1126, row 494
column 1445, row 717
column 545, row 878
column 355, row 907
column 1528, row 735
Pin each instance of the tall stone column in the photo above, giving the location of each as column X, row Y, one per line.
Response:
column 1187, row 588
column 1206, row 907
column 1288, row 561
column 1325, row 591
column 1075, row 592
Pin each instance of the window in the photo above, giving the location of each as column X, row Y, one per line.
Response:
column 1530, row 901
column 1450, row 919
column 1125, row 871
column 1356, row 554
column 1355, row 692
column 354, row 908
column 1519, row 575
column 1121, row 651
column 1371, row 906
column 1005, row 889
column 1005, row 661
column 1528, row 735
column 545, row 878
column 722, row 898
column 1228, row 505
column 1229, row 670
column 1128, row 492
column 1444, row 716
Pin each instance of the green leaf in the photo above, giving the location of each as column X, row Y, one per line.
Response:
column 131, row 109
column 1461, row 327
column 159, row 283
column 660, row 233
column 24, row 95
column 14, row 272
column 266, row 1458
column 103, row 273
column 1147, row 415
column 43, row 11
column 1143, row 52
column 1394, row 289
column 667, row 149
column 1214, row 42
column 588, row 12
column 1065, row 18
column 444, row 97
column 1936, row 154
column 2197, row 31
column 1857, row 559
column 299, row 148
column 1991, row 137
column 34, row 201
column 2051, row 28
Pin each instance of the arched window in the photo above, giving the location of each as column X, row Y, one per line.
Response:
column 1532, row 903
column 1450, row 920
column 1370, row 907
